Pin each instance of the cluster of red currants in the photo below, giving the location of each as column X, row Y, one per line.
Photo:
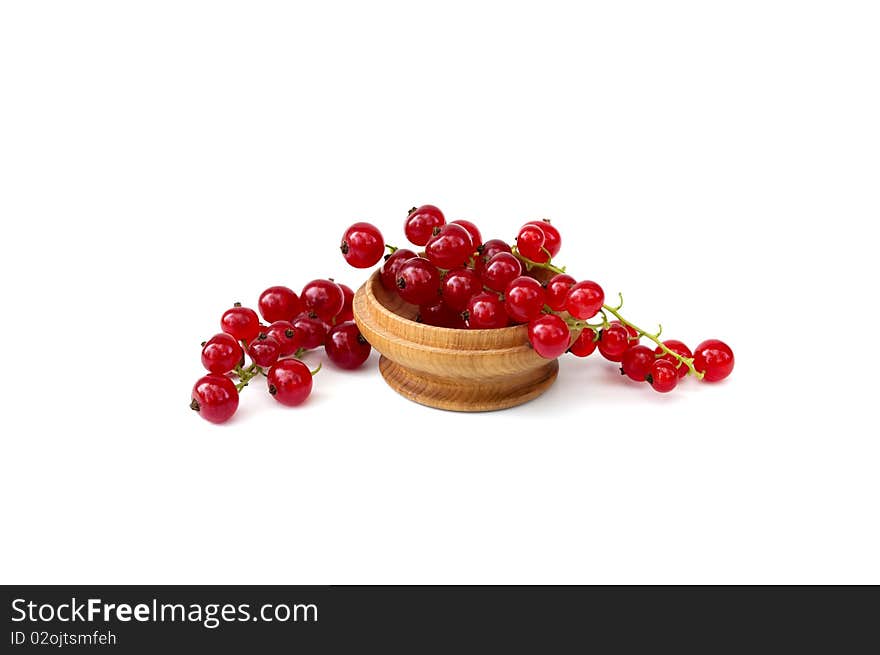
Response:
column 462, row 282
column 320, row 315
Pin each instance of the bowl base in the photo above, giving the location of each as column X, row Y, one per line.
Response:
column 486, row 396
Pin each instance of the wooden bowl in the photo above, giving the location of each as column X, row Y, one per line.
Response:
column 460, row 370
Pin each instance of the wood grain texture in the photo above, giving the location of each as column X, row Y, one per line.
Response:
column 461, row 370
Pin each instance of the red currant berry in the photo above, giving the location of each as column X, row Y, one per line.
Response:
column 549, row 336
column 362, row 245
column 662, row 377
column 474, row 231
column 264, row 350
column 524, row 299
column 323, row 298
column 584, row 300
column 487, row 251
column 500, row 271
column 450, row 248
column 677, row 347
column 290, row 382
column 312, row 331
column 418, row 281
column 279, row 304
column 552, row 238
column 530, row 243
column 241, row 322
column 613, row 342
column 221, row 353
column 439, row 314
column 420, row 224
column 393, row 262
column 715, row 359
column 215, row 398
column 557, row 291
column 288, row 337
column 585, row 344
column 348, row 298
column 485, row 311
column 346, row 346
column 636, row 362
column 459, row 286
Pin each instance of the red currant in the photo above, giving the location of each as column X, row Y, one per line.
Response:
column 662, row 376
column 393, row 262
column 450, row 247
column 420, row 224
column 524, row 299
column 215, row 398
column 346, row 346
column 613, row 342
column 557, row 291
column 500, row 271
column 552, row 238
column 264, row 350
column 485, row 311
column 362, row 245
column 288, row 337
column 290, row 382
column 279, row 304
column 439, row 314
column 241, row 322
column 549, row 336
column 474, row 231
column 312, row 331
column 584, row 300
column 715, row 359
column 677, row 347
column 530, row 243
column 585, row 344
column 348, row 298
column 418, row 281
column 459, row 286
column 636, row 362
column 323, row 298
column 221, row 353
column 487, row 251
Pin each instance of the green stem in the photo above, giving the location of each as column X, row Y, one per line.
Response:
column 393, row 249
column 530, row 264
column 687, row 361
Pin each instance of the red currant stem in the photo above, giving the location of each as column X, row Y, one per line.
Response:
column 530, row 264
column 393, row 249
column 687, row 361
column 317, row 370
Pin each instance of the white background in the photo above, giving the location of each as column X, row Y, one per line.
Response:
column 716, row 162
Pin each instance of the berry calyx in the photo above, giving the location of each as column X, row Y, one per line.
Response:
column 323, row 298
column 421, row 222
column 362, row 245
column 290, row 382
column 279, row 304
column 714, row 359
column 241, row 322
column 346, row 347
column 549, row 336
column 636, row 362
column 524, row 299
column 214, row 397
column 418, row 281
column 221, row 353
column 662, row 377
